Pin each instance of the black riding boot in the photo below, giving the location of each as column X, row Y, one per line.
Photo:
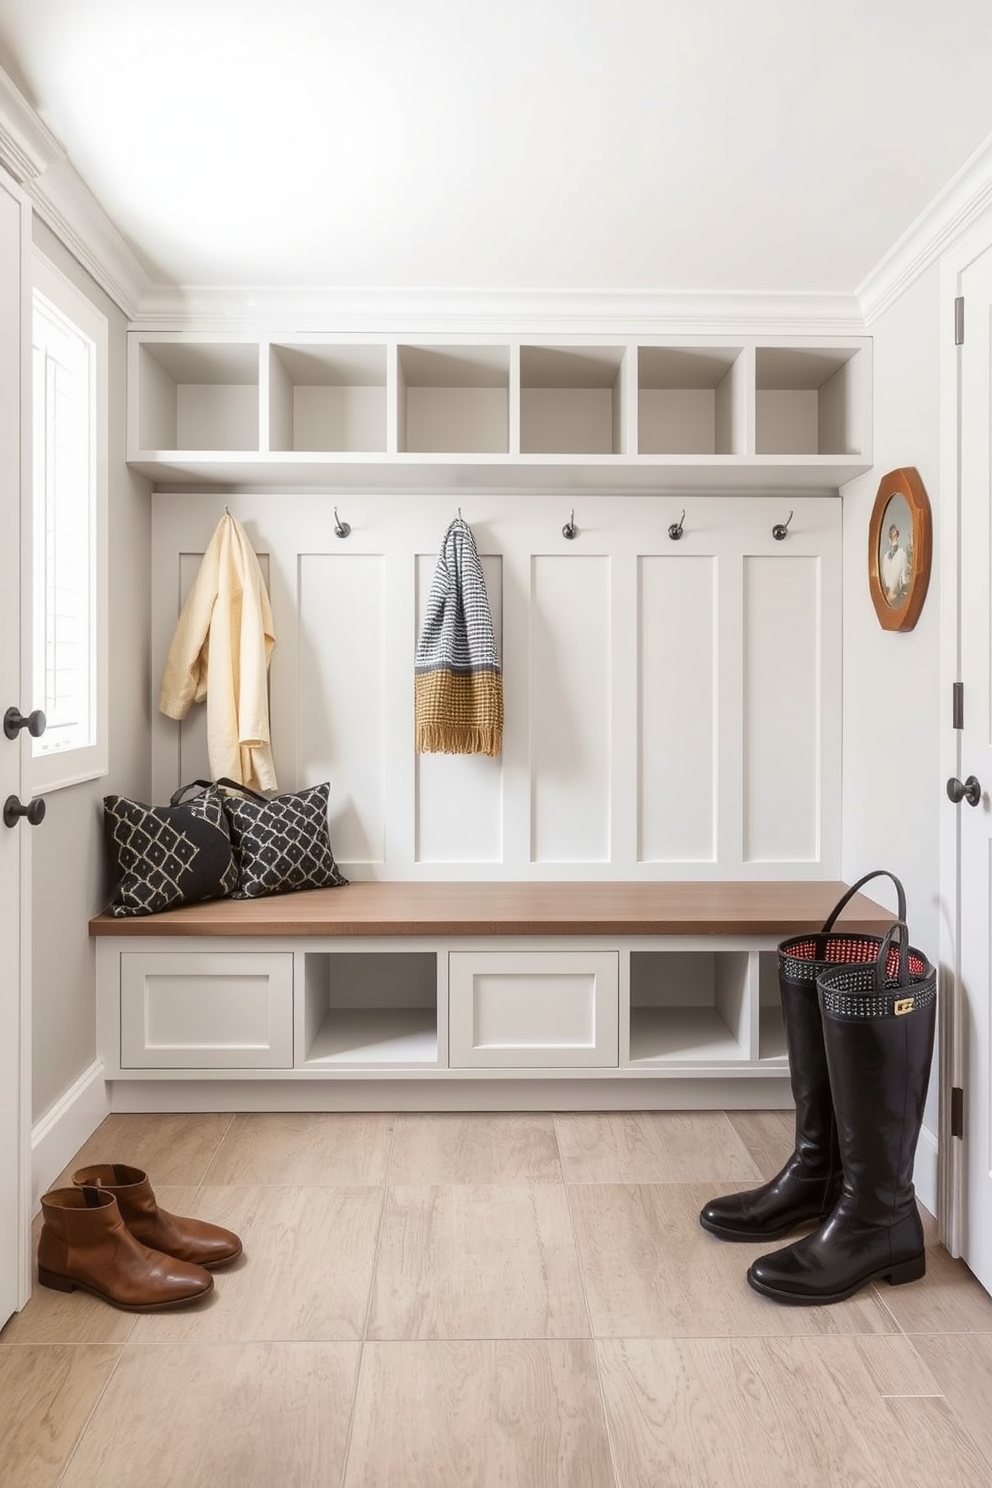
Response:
column 879, row 1072
column 809, row 1185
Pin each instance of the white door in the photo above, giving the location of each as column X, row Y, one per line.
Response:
column 15, row 876
column 971, row 782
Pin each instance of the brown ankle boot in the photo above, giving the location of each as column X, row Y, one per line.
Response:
column 186, row 1239
column 85, row 1243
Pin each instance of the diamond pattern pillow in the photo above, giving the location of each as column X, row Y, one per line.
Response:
column 169, row 855
column 281, row 844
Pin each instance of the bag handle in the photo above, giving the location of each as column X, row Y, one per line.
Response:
column 882, row 960
column 177, row 796
column 245, row 790
column 828, row 923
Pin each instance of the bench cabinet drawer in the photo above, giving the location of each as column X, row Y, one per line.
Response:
column 206, row 1010
column 533, row 1009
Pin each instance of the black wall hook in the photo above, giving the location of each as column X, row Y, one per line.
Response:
column 569, row 530
column 341, row 529
column 781, row 529
column 675, row 530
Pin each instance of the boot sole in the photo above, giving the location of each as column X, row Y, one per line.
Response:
column 70, row 1284
column 743, row 1236
column 905, row 1271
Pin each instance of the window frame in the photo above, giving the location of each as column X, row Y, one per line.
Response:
column 72, row 766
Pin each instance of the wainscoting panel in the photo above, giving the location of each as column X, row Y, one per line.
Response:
column 782, row 700
column 672, row 708
column 678, row 686
column 341, row 642
column 571, row 708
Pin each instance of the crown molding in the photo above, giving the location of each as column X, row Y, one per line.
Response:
column 27, row 146
column 967, row 195
column 63, row 201
column 582, row 312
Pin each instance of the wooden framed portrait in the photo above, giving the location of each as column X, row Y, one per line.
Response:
column 900, row 549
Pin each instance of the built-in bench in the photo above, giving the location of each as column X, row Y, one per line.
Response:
column 458, row 995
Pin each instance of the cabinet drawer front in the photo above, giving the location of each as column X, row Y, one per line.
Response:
column 206, row 1010
column 533, row 1009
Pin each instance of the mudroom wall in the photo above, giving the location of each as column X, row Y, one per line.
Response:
column 892, row 709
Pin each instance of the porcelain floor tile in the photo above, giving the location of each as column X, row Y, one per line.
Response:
column 653, row 1147
column 170, row 1148
column 961, row 1363
column 475, row 1147
column 46, row 1396
column 768, row 1137
column 284, row 1148
column 304, row 1275
column 777, row 1413
column 477, row 1261
column 498, row 1414
column 651, row 1271
column 230, row 1416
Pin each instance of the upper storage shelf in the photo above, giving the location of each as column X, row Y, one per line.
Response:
column 642, row 413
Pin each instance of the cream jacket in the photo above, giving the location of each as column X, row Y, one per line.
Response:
column 220, row 654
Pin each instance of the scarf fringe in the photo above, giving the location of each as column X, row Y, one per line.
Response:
column 444, row 738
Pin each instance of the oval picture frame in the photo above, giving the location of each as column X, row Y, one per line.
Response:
column 900, row 549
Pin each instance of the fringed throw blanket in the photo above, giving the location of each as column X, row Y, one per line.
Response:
column 458, row 687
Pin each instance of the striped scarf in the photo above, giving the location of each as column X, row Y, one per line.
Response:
column 458, row 688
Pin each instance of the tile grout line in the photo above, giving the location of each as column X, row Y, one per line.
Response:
column 593, row 1341
column 223, row 1138
column 91, row 1412
column 346, row 1454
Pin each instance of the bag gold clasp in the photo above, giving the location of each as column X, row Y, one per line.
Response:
column 904, row 1005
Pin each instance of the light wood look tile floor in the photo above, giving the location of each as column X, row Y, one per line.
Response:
column 466, row 1301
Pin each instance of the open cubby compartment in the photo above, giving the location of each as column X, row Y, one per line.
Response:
column 690, row 401
column 370, row 1008
column 572, row 400
column 689, row 1006
column 329, row 398
column 197, row 395
column 453, row 399
column 809, row 401
column 771, row 1024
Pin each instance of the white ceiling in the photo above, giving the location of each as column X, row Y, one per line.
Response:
column 673, row 146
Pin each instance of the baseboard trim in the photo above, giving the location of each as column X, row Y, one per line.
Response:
column 925, row 1170
column 449, row 1095
column 63, row 1129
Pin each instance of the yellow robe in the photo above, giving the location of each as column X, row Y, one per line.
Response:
column 220, row 654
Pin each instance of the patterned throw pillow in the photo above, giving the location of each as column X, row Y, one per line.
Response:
column 169, row 855
column 280, row 844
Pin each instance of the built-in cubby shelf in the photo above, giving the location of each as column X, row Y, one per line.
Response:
column 370, row 1009
column 638, row 413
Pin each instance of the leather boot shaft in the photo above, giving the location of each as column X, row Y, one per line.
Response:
column 84, row 1243
column 808, row 1185
column 186, row 1239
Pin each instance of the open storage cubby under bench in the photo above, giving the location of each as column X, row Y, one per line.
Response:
column 625, row 993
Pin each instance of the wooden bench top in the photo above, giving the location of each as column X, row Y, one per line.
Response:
column 780, row 909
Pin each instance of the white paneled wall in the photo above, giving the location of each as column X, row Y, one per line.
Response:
column 672, row 708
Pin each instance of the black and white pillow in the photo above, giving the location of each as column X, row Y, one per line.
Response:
column 280, row 844
column 164, row 856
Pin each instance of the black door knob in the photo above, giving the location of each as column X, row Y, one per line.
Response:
column 970, row 790
column 13, row 810
column 14, row 720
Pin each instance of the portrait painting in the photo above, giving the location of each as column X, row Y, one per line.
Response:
column 899, row 549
